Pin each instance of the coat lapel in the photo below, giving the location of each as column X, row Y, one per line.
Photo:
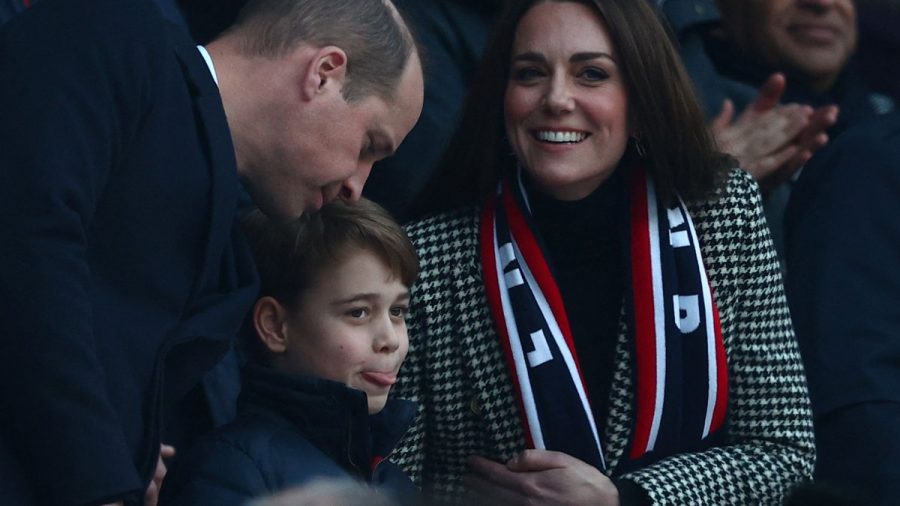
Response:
column 491, row 397
column 215, row 138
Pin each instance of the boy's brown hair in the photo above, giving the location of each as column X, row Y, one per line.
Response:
column 289, row 255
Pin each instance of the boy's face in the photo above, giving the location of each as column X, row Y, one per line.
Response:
column 350, row 326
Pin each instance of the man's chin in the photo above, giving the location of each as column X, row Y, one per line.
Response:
column 279, row 213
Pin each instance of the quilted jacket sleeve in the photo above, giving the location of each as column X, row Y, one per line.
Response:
column 770, row 445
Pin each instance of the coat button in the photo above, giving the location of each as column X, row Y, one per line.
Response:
column 475, row 406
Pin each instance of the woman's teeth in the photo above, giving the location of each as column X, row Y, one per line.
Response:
column 560, row 137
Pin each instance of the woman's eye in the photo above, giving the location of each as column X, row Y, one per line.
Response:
column 399, row 311
column 524, row 74
column 593, row 74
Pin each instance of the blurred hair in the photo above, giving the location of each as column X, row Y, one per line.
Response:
column 328, row 492
column 373, row 33
column 681, row 155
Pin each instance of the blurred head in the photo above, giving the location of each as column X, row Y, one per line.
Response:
column 327, row 492
column 316, row 92
column 811, row 40
column 334, row 295
column 564, row 84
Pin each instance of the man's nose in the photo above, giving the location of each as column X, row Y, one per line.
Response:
column 352, row 187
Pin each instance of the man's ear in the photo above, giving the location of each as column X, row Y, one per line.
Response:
column 270, row 322
column 325, row 69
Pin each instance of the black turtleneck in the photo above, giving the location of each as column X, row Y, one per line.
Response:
column 583, row 240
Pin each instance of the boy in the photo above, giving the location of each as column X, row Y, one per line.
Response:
column 328, row 337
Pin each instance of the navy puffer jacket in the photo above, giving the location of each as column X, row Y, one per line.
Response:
column 289, row 431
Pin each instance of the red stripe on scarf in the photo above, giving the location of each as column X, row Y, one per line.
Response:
column 492, row 290
column 718, row 418
column 539, row 268
column 644, row 316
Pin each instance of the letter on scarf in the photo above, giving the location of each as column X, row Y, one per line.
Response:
column 513, row 277
column 687, row 307
column 680, row 238
column 541, row 353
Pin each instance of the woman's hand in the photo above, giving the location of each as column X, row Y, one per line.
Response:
column 540, row 477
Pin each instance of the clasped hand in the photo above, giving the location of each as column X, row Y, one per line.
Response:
column 539, row 477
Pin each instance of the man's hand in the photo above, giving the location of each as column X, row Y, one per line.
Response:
column 151, row 496
column 772, row 141
column 540, row 477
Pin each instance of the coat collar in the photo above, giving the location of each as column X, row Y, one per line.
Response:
column 332, row 416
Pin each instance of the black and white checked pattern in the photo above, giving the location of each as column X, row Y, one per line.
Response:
column 455, row 367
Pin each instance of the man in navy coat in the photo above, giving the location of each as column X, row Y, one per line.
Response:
column 122, row 279
column 843, row 284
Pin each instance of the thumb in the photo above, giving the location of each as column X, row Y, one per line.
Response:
column 166, row 451
column 726, row 114
column 770, row 92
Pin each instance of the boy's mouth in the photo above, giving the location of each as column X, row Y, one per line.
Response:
column 383, row 379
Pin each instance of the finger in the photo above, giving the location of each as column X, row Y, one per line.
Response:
column 820, row 121
column 166, row 451
column 726, row 114
column 770, row 92
column 497, row 473
column 798, row 161
column 482, row 491
column 539, row 460
column 151, row 496
column 160, row 472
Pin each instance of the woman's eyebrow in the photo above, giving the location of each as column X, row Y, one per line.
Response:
column 530, row 56
column 581, row 57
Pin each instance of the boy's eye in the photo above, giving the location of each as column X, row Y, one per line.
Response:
column 399, row 311
column 359, row 312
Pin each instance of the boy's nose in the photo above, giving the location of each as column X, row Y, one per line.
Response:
column 388, row 338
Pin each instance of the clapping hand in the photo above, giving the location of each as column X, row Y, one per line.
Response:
column 772, row 141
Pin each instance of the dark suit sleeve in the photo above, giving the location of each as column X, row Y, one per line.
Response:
column 844, row 288
column 69, row 102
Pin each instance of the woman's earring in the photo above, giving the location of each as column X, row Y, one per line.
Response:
column 639, row 147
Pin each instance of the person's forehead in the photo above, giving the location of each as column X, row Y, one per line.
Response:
column 561, row 29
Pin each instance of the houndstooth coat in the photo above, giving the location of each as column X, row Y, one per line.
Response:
column 456, row 371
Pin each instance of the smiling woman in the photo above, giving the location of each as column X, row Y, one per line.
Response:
column 566, row 104
column 599, row 317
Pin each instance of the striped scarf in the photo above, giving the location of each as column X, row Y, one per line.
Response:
column 679, row 369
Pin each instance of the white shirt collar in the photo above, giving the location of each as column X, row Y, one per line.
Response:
column 209, row 63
